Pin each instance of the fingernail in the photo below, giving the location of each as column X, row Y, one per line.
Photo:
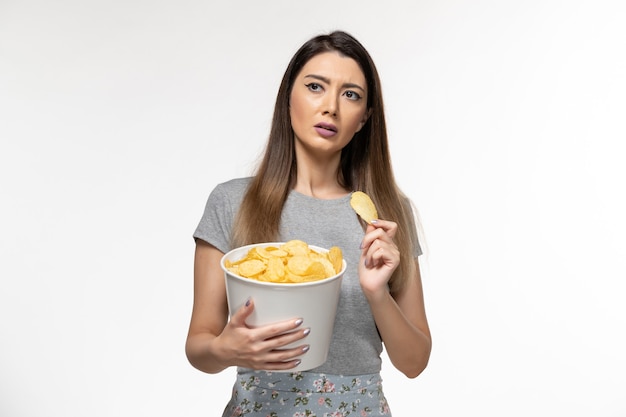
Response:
column 248, row 302
column 374, row 221
column 306, row 349
column 307, row 331
column 298, row 322
column 298, row 362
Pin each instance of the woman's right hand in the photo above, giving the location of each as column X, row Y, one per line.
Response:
column 261, row 347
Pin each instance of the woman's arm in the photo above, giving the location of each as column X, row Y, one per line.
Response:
column 215, row 343
column 401, row 321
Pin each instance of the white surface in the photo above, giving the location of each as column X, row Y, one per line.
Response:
column 507, row 129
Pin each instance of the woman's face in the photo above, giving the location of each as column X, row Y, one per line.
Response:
column 328, row 104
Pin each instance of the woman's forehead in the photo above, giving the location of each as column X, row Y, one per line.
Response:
column 334, row 66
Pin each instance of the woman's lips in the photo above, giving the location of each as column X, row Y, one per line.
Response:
column 325, row 129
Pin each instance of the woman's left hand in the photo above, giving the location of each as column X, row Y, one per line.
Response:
column 379, row 257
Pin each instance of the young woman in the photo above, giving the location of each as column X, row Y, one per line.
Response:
column 328, row 138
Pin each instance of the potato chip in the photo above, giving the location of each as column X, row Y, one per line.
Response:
column 296, row 247
column 251, row 267
column 335, row 256
column 329, row 269
column 275, row 271
column 270, row 252
column 294, row 261
column 364, row 206
column 304, row 265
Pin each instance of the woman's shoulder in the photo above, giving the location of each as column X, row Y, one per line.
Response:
column 235, row 186
column 235, row 183
column 228, row 193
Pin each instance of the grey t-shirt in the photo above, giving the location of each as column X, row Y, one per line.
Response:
column 356, row 345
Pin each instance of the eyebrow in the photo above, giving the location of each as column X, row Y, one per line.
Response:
column 327, row 81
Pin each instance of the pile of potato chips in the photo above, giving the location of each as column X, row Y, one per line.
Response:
column 291, row 262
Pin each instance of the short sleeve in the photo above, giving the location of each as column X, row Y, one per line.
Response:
column 220, row 209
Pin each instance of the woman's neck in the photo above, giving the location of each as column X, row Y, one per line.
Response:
column 318, row 182
column 317, row 174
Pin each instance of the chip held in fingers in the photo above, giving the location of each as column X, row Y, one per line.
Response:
column 364, row 206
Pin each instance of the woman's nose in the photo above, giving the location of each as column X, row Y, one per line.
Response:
column 330, row 105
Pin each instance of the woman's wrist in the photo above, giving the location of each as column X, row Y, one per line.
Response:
column 377, row 295
column 207, row 354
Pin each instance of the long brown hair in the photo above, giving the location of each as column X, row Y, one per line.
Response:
column 365, row 162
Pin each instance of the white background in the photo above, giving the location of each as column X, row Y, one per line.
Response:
column 506, row 118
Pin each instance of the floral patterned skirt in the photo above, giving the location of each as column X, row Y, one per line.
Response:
column 306, row 394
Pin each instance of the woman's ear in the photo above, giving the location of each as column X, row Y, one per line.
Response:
column 366, row 116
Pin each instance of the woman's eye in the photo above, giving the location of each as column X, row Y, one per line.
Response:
column 314, row 86
column 352, row 95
